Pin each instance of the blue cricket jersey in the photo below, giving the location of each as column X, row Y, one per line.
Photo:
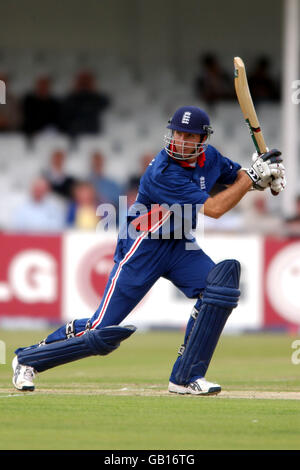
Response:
column 172, row 182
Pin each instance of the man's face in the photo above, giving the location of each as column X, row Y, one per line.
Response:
column 39, row 189
column 58, row 159
column 185, row 143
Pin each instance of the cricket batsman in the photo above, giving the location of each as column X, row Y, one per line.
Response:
column 175, row 186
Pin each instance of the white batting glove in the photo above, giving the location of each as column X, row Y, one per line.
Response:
column 255, row 155
column 278, row 184
column 274, row 166
column 262, row 185
column 262, row 171
column 265, row 168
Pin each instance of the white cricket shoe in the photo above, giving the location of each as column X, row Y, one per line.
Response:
column 199, row 387
column 23, row 376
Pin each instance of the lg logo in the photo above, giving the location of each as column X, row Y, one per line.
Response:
column 31, row 278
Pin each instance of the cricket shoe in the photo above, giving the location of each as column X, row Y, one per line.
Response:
column 198, row 387
column 23, row 376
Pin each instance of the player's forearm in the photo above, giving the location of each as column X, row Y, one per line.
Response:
column 222, row 202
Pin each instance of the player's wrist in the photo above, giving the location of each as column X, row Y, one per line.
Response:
column 245, row 178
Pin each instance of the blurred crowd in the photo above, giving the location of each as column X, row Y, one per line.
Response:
column 57, row 200
column 77, row 113
column 213, row 84
column 80, row 110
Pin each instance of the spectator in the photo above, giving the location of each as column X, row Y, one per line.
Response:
column 212, row 84
column 106, row 189
column 40, row 108
column 82, row 211
column 261, row 84
column 82, row 109
column 42, row 212
column 61, row 183
column 134, row 180
column 10, row 113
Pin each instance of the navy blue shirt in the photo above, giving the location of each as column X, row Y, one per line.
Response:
column 167, row 182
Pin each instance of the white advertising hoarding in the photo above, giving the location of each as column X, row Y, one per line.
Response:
column 88, row 260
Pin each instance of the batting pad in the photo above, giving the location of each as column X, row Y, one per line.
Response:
column 94, row 342
column 220, row 297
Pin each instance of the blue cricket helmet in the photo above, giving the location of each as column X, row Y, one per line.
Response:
column 194, row 121
column 190, row 119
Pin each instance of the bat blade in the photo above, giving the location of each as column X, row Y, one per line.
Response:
column 246, row 104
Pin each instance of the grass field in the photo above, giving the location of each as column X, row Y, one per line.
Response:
column 120, row 401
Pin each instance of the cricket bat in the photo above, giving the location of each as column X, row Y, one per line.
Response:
column 247, row 107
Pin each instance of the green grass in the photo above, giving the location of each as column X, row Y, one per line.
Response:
column 50, row 418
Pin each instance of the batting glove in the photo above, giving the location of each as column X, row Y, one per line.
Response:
column 265, row 168
column 278, row 184
column 277, row 174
